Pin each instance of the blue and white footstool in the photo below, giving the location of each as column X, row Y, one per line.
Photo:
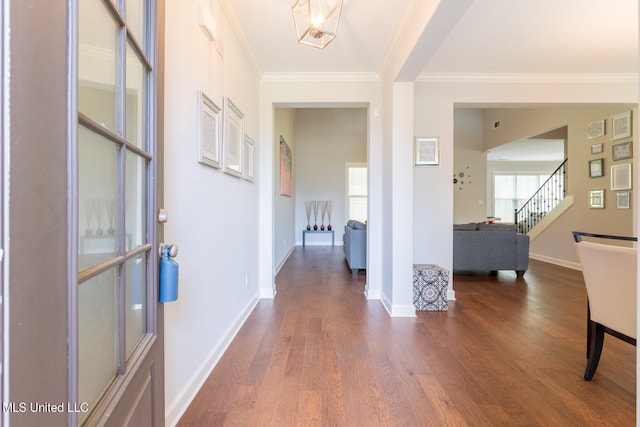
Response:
column 430, row 283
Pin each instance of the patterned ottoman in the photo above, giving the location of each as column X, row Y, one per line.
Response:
column 430, row 284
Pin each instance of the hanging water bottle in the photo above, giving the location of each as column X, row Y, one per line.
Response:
column 168, row 273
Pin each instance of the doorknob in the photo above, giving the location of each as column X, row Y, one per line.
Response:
column 173, row 250
column 163, row 216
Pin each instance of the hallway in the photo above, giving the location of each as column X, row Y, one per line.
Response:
column 508, row 352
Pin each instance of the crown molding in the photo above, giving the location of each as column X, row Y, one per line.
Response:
column 320, row 77
column 396, row 39
column 230, row 12
column 528, row 77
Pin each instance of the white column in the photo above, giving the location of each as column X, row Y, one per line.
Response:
column 402, row 200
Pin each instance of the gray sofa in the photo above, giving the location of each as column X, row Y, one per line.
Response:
column 489, row 247
column 355, row 245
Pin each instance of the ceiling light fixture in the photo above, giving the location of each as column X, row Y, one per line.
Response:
column 316, row 21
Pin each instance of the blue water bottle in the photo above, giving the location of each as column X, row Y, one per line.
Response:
column 168, row 274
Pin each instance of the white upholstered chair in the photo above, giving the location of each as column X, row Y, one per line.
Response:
column 610, row 276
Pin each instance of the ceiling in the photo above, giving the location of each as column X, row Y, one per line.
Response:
column 528, row 150
column 464, row 37
column 481, row 36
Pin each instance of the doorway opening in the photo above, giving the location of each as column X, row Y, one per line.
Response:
column 323, row 141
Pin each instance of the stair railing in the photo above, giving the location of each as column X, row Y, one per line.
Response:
column 547, row 197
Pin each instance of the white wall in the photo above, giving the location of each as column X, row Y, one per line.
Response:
column 470, row 165
column 212, row 215
column 327, row 139
column 284, row 239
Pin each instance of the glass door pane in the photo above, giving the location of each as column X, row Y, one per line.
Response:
column 136, row 201
column 98, row 229
column 135, row 301
column 135, row 99
column 98, row 331
column 98, row 93
column 136, row 11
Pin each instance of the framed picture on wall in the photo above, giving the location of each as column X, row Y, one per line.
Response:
column 208, row 132
column 248, row 169
column 621, row 177
column 596, row 199
column 623, row 200
column 596, row 168
column 595, row 129
column 286, row 183
column 622, row 151
column 621, row 125
column 597, row 148
column 233, row 138
column 426, row 151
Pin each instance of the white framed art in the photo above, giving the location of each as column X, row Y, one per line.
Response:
column 233, row 138
column 621, row 125
column 621, row 177
column 209, row 148
column 248, row 156
column 427, row 151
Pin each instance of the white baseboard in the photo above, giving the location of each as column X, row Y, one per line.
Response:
column 451, row 295
column 556, row 261
column 386, row 303
column 268, row 293
column 372, row 294
column 398, row 310
column 320, row 243
column 284, row 259
column 175, row 409
column 403, row 310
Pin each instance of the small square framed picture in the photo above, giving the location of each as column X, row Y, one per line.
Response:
column 596, row 168
column 623, row 200
column 595, row 129
column 597, row 148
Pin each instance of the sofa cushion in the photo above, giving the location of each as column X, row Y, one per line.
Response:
column 472, row 226
column 497, row 227
column 356, row 225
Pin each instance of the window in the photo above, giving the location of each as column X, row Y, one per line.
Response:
column 513, row 191
column 357, row 192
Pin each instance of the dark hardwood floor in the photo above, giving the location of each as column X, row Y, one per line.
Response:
column 509, row 352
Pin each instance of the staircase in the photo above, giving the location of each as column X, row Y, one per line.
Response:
column 546, row 198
